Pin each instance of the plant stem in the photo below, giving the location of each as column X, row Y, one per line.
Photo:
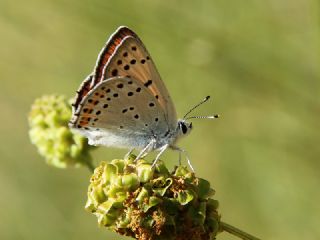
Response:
column 236, row 232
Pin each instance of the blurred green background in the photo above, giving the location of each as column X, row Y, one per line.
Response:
column 258, row 59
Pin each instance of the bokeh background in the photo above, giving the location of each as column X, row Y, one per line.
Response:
column 258, row 59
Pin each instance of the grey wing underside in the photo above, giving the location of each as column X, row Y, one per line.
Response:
column 120, row 112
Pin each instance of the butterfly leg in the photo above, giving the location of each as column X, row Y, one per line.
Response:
column 128, row 153
column 145, row 150
column 187, row 156
column 162, row 149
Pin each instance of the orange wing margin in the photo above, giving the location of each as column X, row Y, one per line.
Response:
column 108, row 51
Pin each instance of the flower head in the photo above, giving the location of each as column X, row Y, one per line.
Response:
column 48, row 120
column 134, row 199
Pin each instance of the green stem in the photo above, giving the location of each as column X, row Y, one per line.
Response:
column 236, row 232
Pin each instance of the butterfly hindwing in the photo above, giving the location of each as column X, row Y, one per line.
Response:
column 81, row 93
column 120, row 106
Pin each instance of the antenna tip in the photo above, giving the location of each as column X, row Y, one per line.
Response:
column 207, row 97
column 216, row 116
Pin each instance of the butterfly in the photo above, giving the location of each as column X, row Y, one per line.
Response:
column 125, row 104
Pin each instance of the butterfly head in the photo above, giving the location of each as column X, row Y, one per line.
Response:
column 184, row 128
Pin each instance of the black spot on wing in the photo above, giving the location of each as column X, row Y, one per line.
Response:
column 148, row 83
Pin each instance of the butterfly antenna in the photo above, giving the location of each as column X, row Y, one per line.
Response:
column 200, row 103
column 209, row 117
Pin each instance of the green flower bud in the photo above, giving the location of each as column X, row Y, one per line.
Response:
column 145, row 172
column 153, row 201
column 160, row 185
column 185, row 196
column 130, row 181
column 161, row 168
column 143, row 194
column 183, row 171
column 135, row 200
column 204, row 190
column 48, row 120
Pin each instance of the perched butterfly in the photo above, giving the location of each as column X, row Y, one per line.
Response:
column 125, row 104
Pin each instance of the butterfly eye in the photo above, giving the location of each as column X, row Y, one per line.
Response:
column 184, row 128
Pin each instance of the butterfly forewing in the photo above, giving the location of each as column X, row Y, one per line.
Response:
column 109, row 49
column 132, row 60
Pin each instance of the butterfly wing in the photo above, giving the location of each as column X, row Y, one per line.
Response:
column 104, row 56
column 108, row 50
column 83, row 91
column 120, row 112
column 125, row 55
